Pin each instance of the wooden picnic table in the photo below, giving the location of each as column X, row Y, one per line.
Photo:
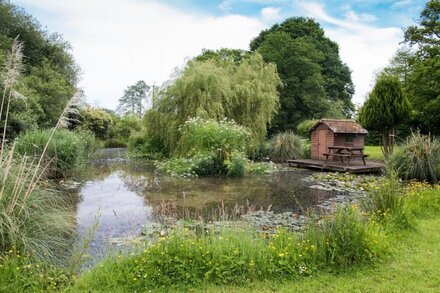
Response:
column 348, row 152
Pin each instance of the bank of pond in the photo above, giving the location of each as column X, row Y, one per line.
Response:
column 136, row 229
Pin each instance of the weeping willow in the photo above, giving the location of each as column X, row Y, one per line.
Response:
column 244, row 91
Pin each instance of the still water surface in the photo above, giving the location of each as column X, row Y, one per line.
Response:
column 125, row 196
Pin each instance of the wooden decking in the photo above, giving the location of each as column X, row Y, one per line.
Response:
column 354, row 167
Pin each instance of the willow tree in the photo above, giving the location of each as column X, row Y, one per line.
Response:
column 245, row 91
column 385, row 108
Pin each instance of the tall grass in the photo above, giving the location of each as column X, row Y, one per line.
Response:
column 418, row 158
column 34, row 217
column 285, row 146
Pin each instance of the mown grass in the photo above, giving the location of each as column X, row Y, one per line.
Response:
column 374, row 152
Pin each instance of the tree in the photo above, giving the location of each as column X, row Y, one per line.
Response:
column 133, row 99
column 50, row 74
column 423, row 83
column 309, row 65
column 385, row 108
column 245, row 91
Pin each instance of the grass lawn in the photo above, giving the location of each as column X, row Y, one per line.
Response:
column 415, row 267
column 374, row 152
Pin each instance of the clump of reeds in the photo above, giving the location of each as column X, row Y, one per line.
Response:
column 34, row 217
column 286, row 146
column 418, row 158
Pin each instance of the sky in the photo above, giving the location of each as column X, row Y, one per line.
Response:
column 118, row 42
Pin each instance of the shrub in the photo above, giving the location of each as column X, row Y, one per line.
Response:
column 236, row 165
column 145, row 147
column 124, row 127
column 418, row 159
column 305, row 127
column 201, row 135
column 345, row 239
column 97, row 121
column 69, row 150
column 285, row 146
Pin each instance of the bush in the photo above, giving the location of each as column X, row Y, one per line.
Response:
column 69, row 150
column 305, row 127
column 345, row 239
column 286, row 146
column 97, row 121
column 124, row 127
column 236, row 165
column 418, row 159
column 200, row 135
column 142, row 146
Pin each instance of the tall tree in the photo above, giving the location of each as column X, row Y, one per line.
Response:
column 134, row 98
column 313, row 75
column 423, row 83
column 385, row 108
column 245, row 91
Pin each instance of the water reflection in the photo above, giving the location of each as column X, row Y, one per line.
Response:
column 127, row 195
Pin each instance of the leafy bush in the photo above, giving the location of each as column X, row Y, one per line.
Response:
column 123, row 127
column 68, row 150
column 97, row 121
column 345, row 239
column 145, row 147
column 236, row 165
column 418, row 159
column 201, row 135
column 285, row 146
column 305, row 126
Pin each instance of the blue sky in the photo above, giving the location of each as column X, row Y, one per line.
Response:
column 117, row 42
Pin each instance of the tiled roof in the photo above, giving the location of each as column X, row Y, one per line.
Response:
column 342, row 126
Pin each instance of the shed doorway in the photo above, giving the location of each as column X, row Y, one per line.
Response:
column 322, row 143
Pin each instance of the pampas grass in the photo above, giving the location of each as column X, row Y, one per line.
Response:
column 286, row 146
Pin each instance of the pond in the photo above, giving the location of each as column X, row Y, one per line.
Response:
column 126, row 196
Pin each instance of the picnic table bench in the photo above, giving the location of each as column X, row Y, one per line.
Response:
column 345, row 152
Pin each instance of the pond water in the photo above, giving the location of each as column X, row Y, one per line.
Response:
column 125, row 196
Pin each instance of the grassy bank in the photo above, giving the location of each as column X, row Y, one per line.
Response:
column 413, row 268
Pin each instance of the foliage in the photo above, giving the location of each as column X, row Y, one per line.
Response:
column 312, row 72
column 386, row 203
column 305, row 127
column 418, row 158
column 422, row 199
column 67, row 151
column 134, row 97
column 208, row 147
column 245, row 92
column 115, row 143
column 22, row 273
column 49, row 75
column 385, row 108
column 286, row 146
column 345, row 239
column 123, row 127
column 97, row 121
column 201, row 135
column 34, row 217
column 145, row 147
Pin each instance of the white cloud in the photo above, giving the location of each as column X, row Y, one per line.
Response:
column 365, row 48
column 117, row 42
column 270, row 14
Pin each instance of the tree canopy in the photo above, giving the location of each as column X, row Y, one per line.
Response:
column 385, row 108
column 50, row 74
column 132, row 102
column 313, row 75
column 245, row 91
